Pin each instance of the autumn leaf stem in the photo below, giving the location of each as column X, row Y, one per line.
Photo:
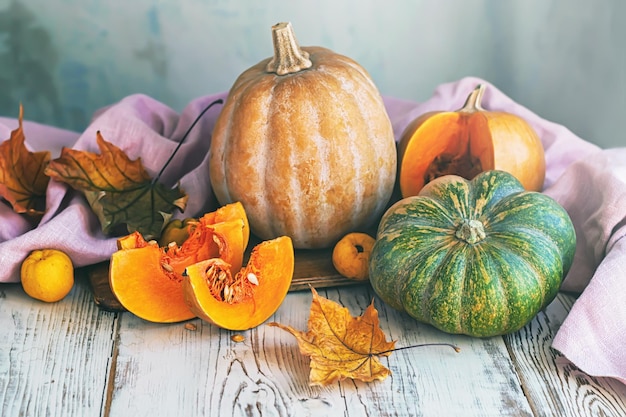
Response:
column 456, row 348
column 158, row 176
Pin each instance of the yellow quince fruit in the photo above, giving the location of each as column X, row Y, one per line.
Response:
column 47, row 275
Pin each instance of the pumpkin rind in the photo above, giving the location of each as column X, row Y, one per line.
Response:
column 271, row 263
column 432, row 260
column 310, row 154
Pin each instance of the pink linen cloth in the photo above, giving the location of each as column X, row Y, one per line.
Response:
column 589, row 182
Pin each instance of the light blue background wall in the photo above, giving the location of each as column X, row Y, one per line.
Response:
column 565, row 59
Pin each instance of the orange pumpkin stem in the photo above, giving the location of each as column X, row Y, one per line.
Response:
column 288, row 56
column 473, row 102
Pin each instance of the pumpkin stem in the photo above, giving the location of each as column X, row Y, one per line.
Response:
column 288, row 57
column 471, row 231
column 473, row 102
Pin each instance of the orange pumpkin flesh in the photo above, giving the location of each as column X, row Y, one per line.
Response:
column 228, row 212
column 466, row 142
column 141, row 298
column 147, row 278
column 246, row 299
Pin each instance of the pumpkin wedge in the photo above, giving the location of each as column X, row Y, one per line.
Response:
column 246, row 299
column 179, row 230
column 147, row 278
column 229, row 212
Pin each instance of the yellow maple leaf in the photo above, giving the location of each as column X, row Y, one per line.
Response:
column 23, row 183
column 342, row 346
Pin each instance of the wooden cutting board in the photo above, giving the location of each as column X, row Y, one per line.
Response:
column 312, row 268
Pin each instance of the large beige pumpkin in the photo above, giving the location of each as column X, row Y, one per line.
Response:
column 305, row 143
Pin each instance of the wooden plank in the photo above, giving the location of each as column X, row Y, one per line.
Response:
column 312, row 268
column 54, row 358
column 164, row 370
column 98, row 275
column 554, row 385
column 478, row 381
column 315, row 268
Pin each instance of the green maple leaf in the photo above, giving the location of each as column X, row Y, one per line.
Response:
column 119, row 190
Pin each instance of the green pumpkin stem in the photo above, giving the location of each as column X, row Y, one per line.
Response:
column 471, row 231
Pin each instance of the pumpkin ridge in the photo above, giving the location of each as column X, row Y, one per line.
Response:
column 299, row 148
column 422, row 205
column 509, row 222
column 264, row 111
column 510, row 211
column 340, row 86
column 267, row 196
column 383, row 265
column 518, row 289
column 444, row 303
column 485, row 271
column 456, row 195
column 491, row 189
column 435, row 256
column 394, row 227
column 547, row 250
column 513, row 211
column 323, row 148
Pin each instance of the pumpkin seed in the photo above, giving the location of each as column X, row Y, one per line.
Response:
column 237, row 338
column 228, row 293
column 253, row 279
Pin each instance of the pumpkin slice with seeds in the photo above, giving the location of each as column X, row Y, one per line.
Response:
column 247, row 298
column 147, row 278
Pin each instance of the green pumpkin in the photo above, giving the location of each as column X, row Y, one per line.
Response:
column 479, row 257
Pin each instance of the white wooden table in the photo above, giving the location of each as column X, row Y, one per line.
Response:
column 74, row 359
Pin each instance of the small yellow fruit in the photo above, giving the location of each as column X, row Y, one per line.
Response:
column 351, row 255
column 47, row 275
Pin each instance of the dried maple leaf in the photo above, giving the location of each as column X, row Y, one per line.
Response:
column 342, row 346
column 119, row 190
column 22, row 180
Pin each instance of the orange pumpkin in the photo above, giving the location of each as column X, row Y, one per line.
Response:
column 147, row 278
column 305, row 143
column 245, row 299
column 466, row 142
